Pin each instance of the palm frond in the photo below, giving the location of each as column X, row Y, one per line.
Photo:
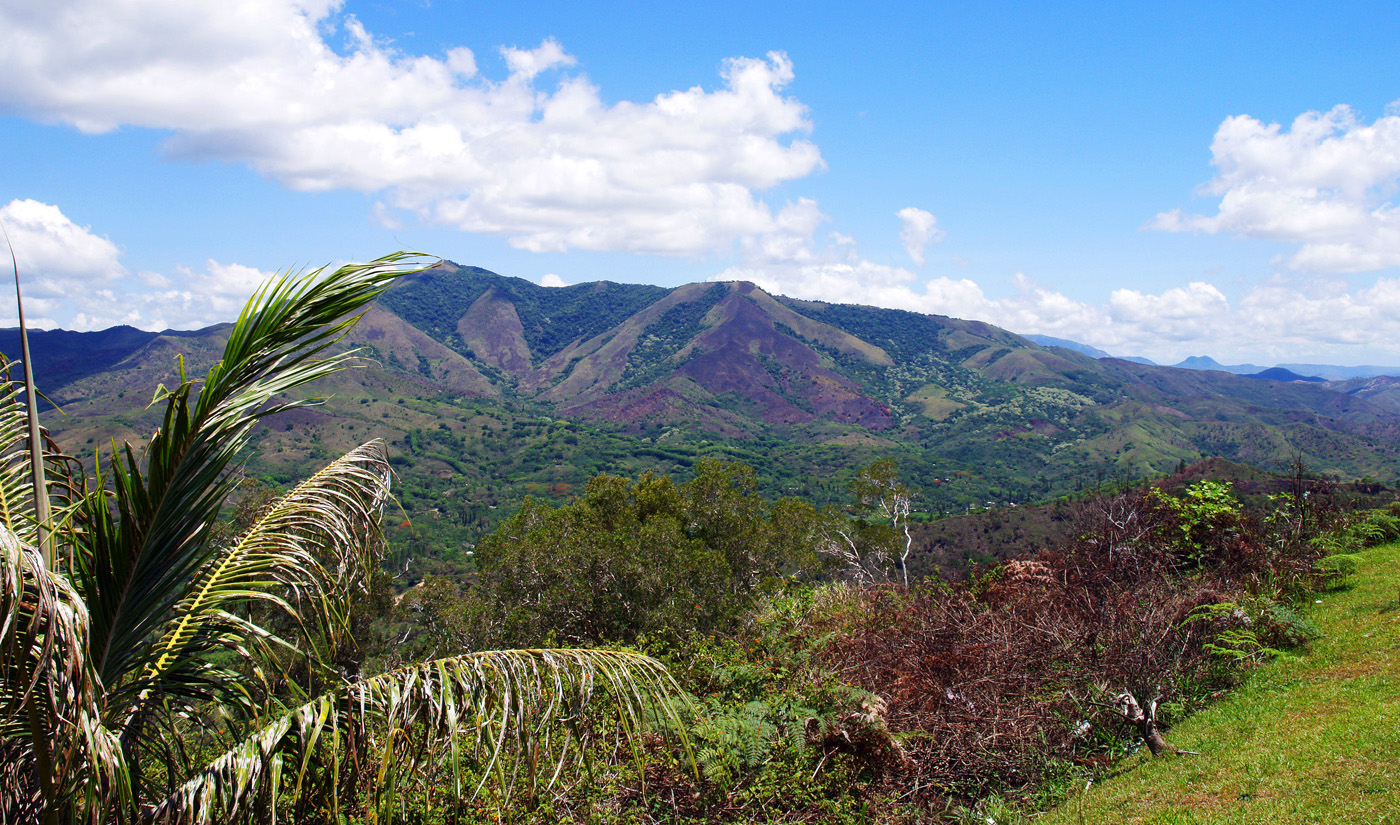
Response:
column 17, row 500
column 143, row 548
column 517, row 719
column 303, row 557
column 42, row 525
column 16, row 489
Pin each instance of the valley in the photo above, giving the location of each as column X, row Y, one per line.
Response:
column 490, row 389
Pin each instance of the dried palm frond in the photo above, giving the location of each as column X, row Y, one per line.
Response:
column 52, row 739
column 511, row 717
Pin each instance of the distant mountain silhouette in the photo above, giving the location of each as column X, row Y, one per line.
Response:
column 1281, row 374
column 1051, row 341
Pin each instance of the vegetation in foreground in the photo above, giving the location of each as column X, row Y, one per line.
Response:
column 1309, row 738
column 820, row 699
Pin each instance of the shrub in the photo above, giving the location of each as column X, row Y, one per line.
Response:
column 992, row 683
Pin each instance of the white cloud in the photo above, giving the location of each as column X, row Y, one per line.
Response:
column 526, row 63
column 1279, row 321
column 385, row 217
column 73, row 278
column 59, row 263
column 789, row 263
column 191, row 299
column 56, row 252
column 917, row 230
column 550, row 279
column 1286, row 319
column 299, row 91
column 1328, row 184
column 1177, row 314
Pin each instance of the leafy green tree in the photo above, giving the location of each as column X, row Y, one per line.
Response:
column 615, row 563
column 628, row 558
column 141, row 678
column 1206, row 514
column 726, row 513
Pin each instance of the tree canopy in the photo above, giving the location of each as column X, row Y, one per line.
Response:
column 634, row 557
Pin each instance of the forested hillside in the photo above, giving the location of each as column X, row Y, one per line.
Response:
column 491, row 389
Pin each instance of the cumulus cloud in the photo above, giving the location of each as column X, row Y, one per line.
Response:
column 790, row 262
column 1327, row 184
column 189, row 299
column 57, row 260
column 917, row 230
column 859, row 281
column 46, row 242
column 301, row 92
column 73, row 278
column 550, row 279
column 1279, row 320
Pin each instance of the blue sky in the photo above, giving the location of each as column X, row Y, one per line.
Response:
column 1164, row 181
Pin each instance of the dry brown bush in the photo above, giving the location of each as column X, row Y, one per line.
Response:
column 988, row 679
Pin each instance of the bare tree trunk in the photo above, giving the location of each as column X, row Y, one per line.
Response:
column 1146, row 722
column 908, row 545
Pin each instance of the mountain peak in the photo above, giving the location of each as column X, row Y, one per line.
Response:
column 1200, row 362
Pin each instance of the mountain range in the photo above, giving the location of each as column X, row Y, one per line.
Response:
column 495, row 387
column 1278, row 372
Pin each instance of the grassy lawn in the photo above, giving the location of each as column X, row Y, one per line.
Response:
column 1314, row 739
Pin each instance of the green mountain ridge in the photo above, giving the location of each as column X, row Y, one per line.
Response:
column 491, row 388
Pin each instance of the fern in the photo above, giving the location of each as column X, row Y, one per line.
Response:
column 738, row 740
column 1291, row 628
column 1338, row 566
column 1252, row 633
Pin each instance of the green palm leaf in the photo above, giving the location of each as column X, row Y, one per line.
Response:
column 141, row 554
column 304, row 557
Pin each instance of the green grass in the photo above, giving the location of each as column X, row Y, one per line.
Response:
column 1311, row 739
